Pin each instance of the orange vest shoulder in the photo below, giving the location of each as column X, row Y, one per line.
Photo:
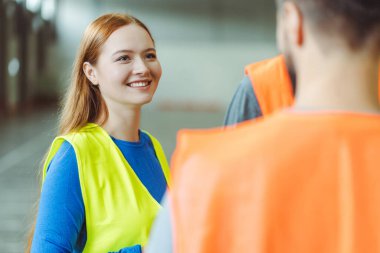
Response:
column 271, row 84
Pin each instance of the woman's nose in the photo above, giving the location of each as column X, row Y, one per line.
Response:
column 140, row 67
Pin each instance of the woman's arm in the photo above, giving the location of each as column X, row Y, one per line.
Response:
column 61, row 217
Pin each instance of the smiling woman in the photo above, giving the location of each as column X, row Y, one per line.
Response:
column 104, row 178
column 127, row 70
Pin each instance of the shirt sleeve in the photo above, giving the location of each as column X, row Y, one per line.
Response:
column 244, row 105
column 61, row 218
column 160, row 239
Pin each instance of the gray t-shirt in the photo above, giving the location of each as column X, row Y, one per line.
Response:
column 244, row 105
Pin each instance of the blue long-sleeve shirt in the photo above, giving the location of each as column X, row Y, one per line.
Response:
column 61, row 224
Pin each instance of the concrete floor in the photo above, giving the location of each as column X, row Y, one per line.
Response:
column 24, row 140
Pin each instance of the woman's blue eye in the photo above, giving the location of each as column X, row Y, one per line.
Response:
column 123, row 58
column 151, row 56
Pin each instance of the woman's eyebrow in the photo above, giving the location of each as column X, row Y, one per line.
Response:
column 131, row 51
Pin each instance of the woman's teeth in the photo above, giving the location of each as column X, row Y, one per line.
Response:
column 139, row 84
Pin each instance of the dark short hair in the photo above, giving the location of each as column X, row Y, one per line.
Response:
column 357, row 20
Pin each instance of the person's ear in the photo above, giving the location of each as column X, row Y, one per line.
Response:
column 90, row 73
column 294, row 23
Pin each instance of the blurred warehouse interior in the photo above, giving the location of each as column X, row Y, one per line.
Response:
column 203, row 46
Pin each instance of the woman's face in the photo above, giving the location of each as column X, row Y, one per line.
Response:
column 127, row 70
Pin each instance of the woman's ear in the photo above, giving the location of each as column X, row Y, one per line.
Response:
column 90, row 72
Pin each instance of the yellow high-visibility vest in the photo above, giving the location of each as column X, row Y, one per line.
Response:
column 119, row 209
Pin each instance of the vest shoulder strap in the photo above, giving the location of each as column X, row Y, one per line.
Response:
column 271, row 84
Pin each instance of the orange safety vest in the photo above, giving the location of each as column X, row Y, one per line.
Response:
column 317, row 191
column 272, row 84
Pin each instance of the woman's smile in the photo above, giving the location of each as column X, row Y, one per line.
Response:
column 139, row 84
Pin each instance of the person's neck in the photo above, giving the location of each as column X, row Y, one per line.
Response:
column 341, row 81
column 123, row 123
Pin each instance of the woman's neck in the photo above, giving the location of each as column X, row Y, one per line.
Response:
column 123, row 123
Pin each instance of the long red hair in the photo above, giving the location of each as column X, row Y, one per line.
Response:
column 83, row 102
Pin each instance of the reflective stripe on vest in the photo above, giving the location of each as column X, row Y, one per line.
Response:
column 271, row 84
column 119, row 209
column 292, row 183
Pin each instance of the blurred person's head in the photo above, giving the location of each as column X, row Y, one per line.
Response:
column 326, row 27
column 101, row 70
